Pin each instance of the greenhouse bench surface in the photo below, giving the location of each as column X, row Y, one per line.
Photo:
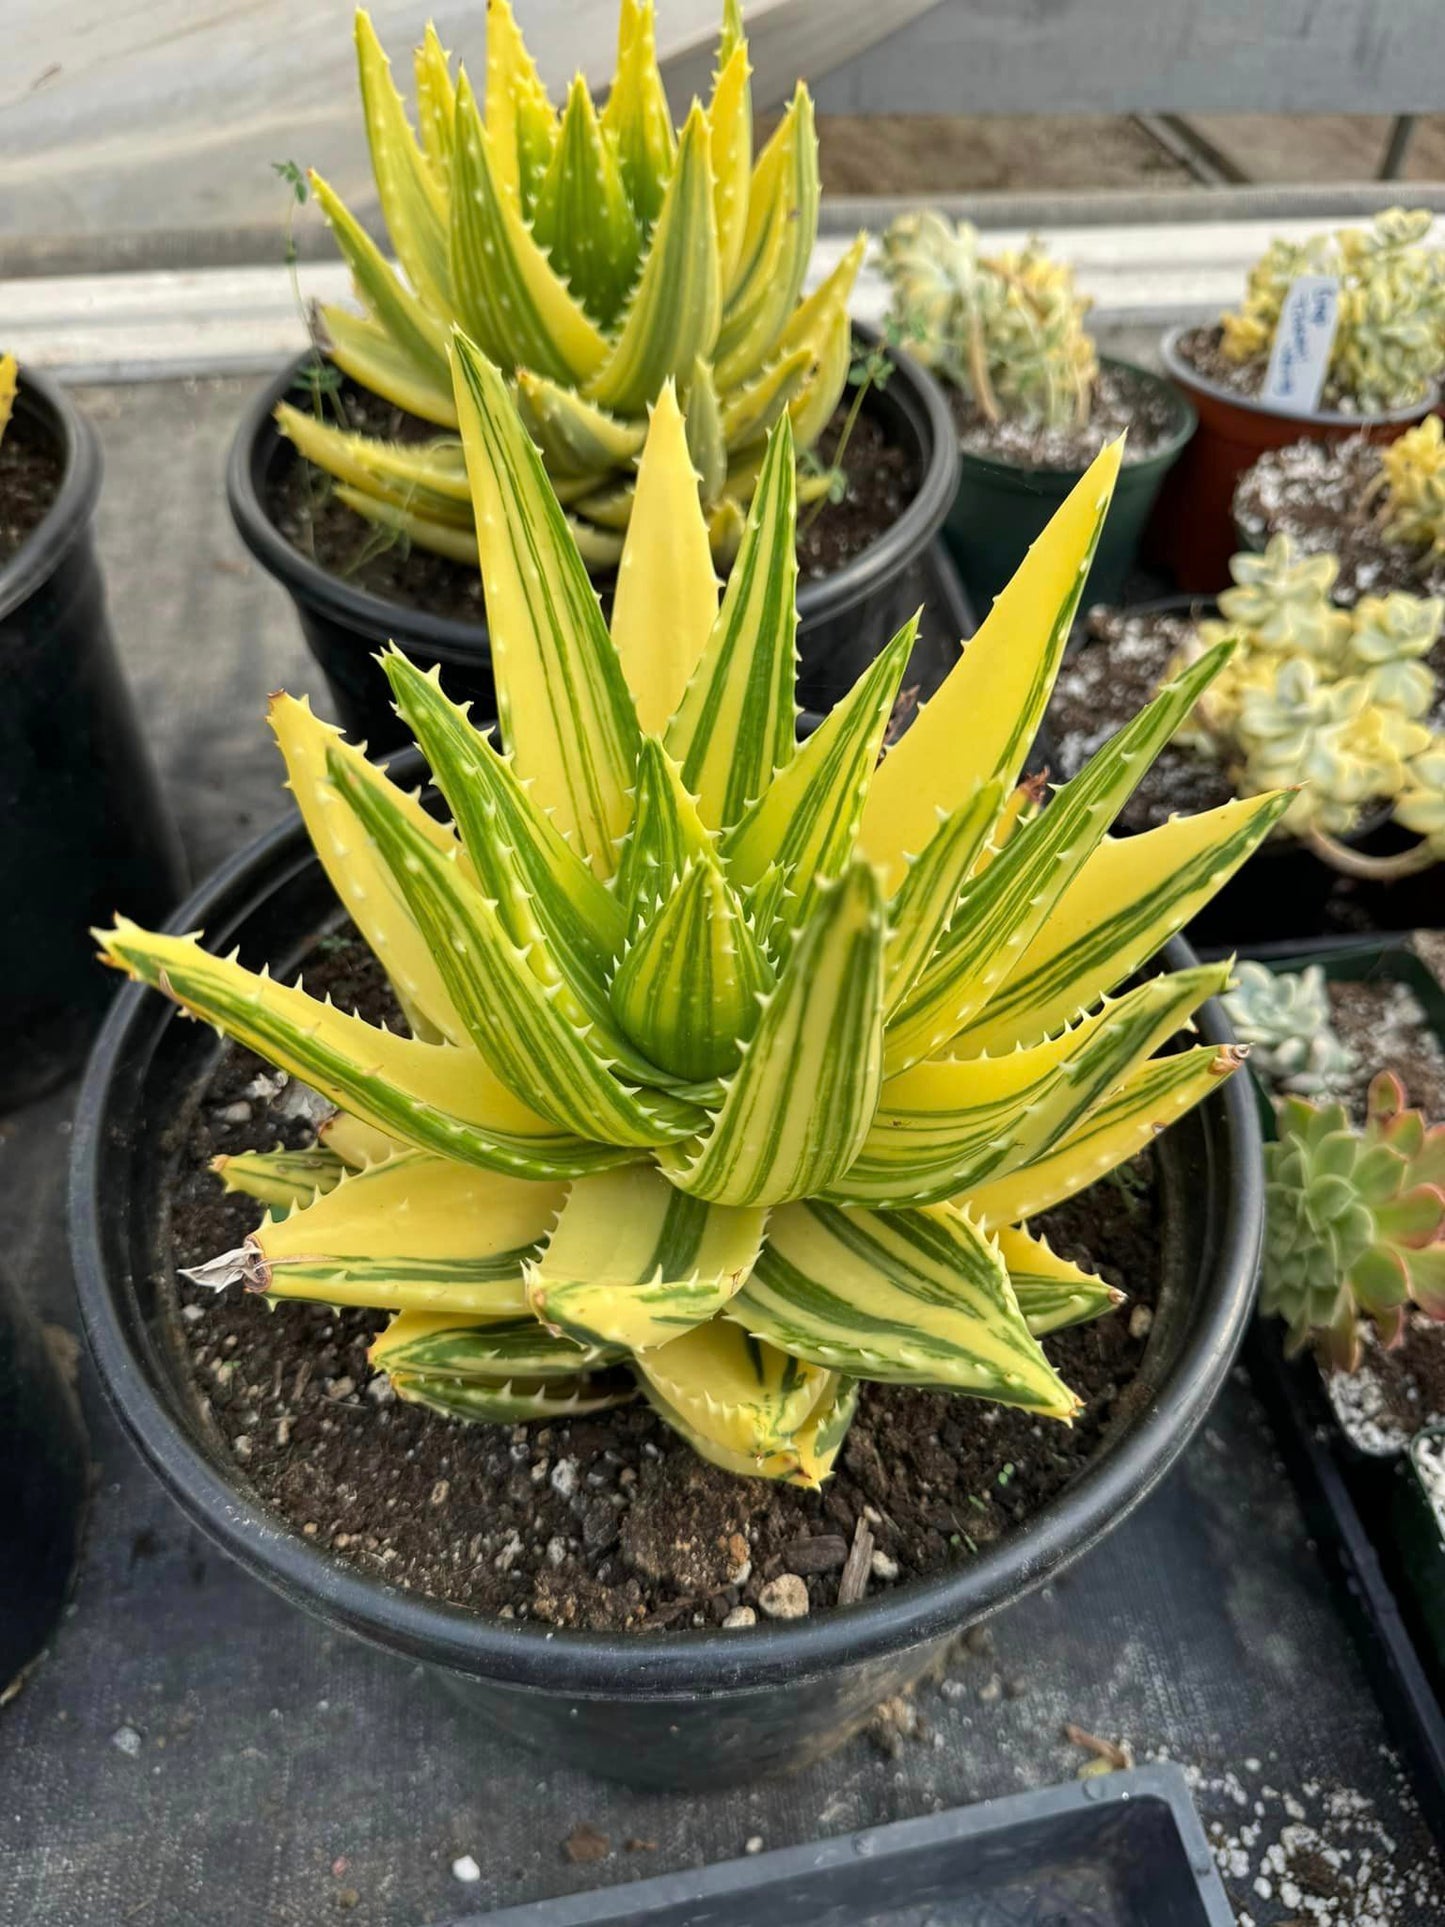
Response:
column 194, row 1749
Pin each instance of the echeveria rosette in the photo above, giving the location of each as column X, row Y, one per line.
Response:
column 1282, row 1017
column 595, row 255
column 736, row 1065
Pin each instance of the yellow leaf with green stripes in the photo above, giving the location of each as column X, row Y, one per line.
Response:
column 636, row 115
column 672, row 316
column 418, row 1233
column 925, row 901
column 798, row 1107
column 436, row 102
column 781, row 227
column 355, row 1143
column 1003, row 908
column 730, row 123
column 734, row 728
column 508, row 998
column 360, row 879
column 634, row 1262
column 707, row 445
column 994, row 697
column 521, row 123
column 665, row 602
column 908, row 1297
column 578, row 439
column 505, row 290
column 822, row 325
column 807, row 1459
column 376, row 359
column 9, row 383
column 748, row 412
column 1051, row 1291
column 1150, row 1099
column 1127, row 901
column 413, row 204
column 454, row 540
column 1020, row 807
column 516, row 1401
column 418, row 336
column 280, row 1179
column 805, row 824
column 747, row 1396
column 431, row 477
column 582, row 215
column 950, row 1125
column 489, row 1350
column 435, row 1096
column 565, row 708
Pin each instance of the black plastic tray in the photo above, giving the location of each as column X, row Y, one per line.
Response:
column 1121, row 1850
column 1338, row 1490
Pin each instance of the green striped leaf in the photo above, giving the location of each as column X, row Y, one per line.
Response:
column 672, row 316
column 805, row 1461
column 908, row 1297
column 823, row 326
column 747, row 1397
column 1002, row 910
column 636, row 115
column 507, row 293
column 730, row 123
column 431, row 477
column 431, row 1095
column 414, row 334
column 436, row 101
column 413, row 204
column 490, row 1351
column 566, row 712
column 749, row 412
column 706, row 442
column 509, row 1006
column 923, row 904
column 521, row 122
column 994, row 697
column 582, row 215
column 515, row 1402
column 804, row 825
column 1146, row 1103
column 365, row 350
column 451, row 538
column 578, row 439
column 781, row 227
column 634, row 1262
column 948, row 1125
column 1131, row 896
column 799, row 1105
column 667, row 834
column 280, row 1179
column 1052, row 1293
column 734, row 729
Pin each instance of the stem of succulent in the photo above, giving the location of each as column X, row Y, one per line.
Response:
column 978, row 370
column 1370, row 869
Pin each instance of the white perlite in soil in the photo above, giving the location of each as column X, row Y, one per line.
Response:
column 1429, row 1460
column 1360, row 1406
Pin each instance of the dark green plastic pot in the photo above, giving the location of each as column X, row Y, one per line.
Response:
column 1000, row 508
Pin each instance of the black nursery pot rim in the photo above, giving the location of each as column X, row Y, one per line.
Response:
column 448, row 639
column 1183, row 371
column 665, row 1664
column 41, row 399
column 1162, row 456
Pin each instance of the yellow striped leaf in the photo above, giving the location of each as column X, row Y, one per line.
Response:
column 582, row 215
column 821, row 324
column 431, row 477
column 280, row 1179
column 747, row 1397
column 516, row 1401
column 1052, row 1293
column 521, row 123
column 355, row 1143
column 781, row 227
column 636, row 115
column 730, row 123
column 578, row 439
column 436, row 101
column 373, row 357
column 908, row 1297
column 413, row 204
column 749, row 412
column 486, row 1350
column 634, row 1262
column 995, row 695
column 809, row 1456
column 565, row 708
column 418, row 336
column 708, row 448
column 9, row 382
column 798, row 1107
column 454, row 540
column 924, row 903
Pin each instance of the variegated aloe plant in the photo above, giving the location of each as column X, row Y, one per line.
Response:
column 736, row 1066
column 594, row 255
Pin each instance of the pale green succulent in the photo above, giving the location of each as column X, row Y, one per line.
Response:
column 1420, row 805
column 1007, row 328
column 1284, row 1019
column 1299, row 728
column 1389, row 638
column 1389, row 344
column 1411, row 483
column 1282, row 598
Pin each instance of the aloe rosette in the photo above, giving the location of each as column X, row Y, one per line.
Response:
column 595, row 255
column 736, row 1066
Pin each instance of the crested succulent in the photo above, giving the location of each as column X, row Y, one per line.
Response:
column 1411, row 490
column 1283, row 1017
column 9, row 381
column 1008, row 328
column 1355, row 1221
column 1389, row 344
column 736, row 1066
column 595, row 254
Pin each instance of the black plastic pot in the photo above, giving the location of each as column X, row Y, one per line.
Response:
column 44, row 1483
column 844, row 620
column 82, row 823
column 674, row 1709
column 1123, row 1850
column 1001, row 508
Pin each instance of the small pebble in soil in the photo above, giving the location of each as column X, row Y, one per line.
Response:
column 884, row 1567
column 466, row 1870
column 740, row 1616
column 126, row 1740
column 754, row 1844
column 585, row 1844
column 785, row 1597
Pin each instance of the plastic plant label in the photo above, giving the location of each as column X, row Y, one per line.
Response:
column 1300, row 358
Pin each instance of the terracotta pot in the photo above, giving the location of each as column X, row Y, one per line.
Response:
column 1193, row 527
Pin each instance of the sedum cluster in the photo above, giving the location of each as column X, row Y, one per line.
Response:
column 1336, row 701
column 1283, row 1019
column 1411, row 490
column 735, row 1066
column 1355, row 1222
column 1389, row 345
column 595, row 255
column 1007, row 329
